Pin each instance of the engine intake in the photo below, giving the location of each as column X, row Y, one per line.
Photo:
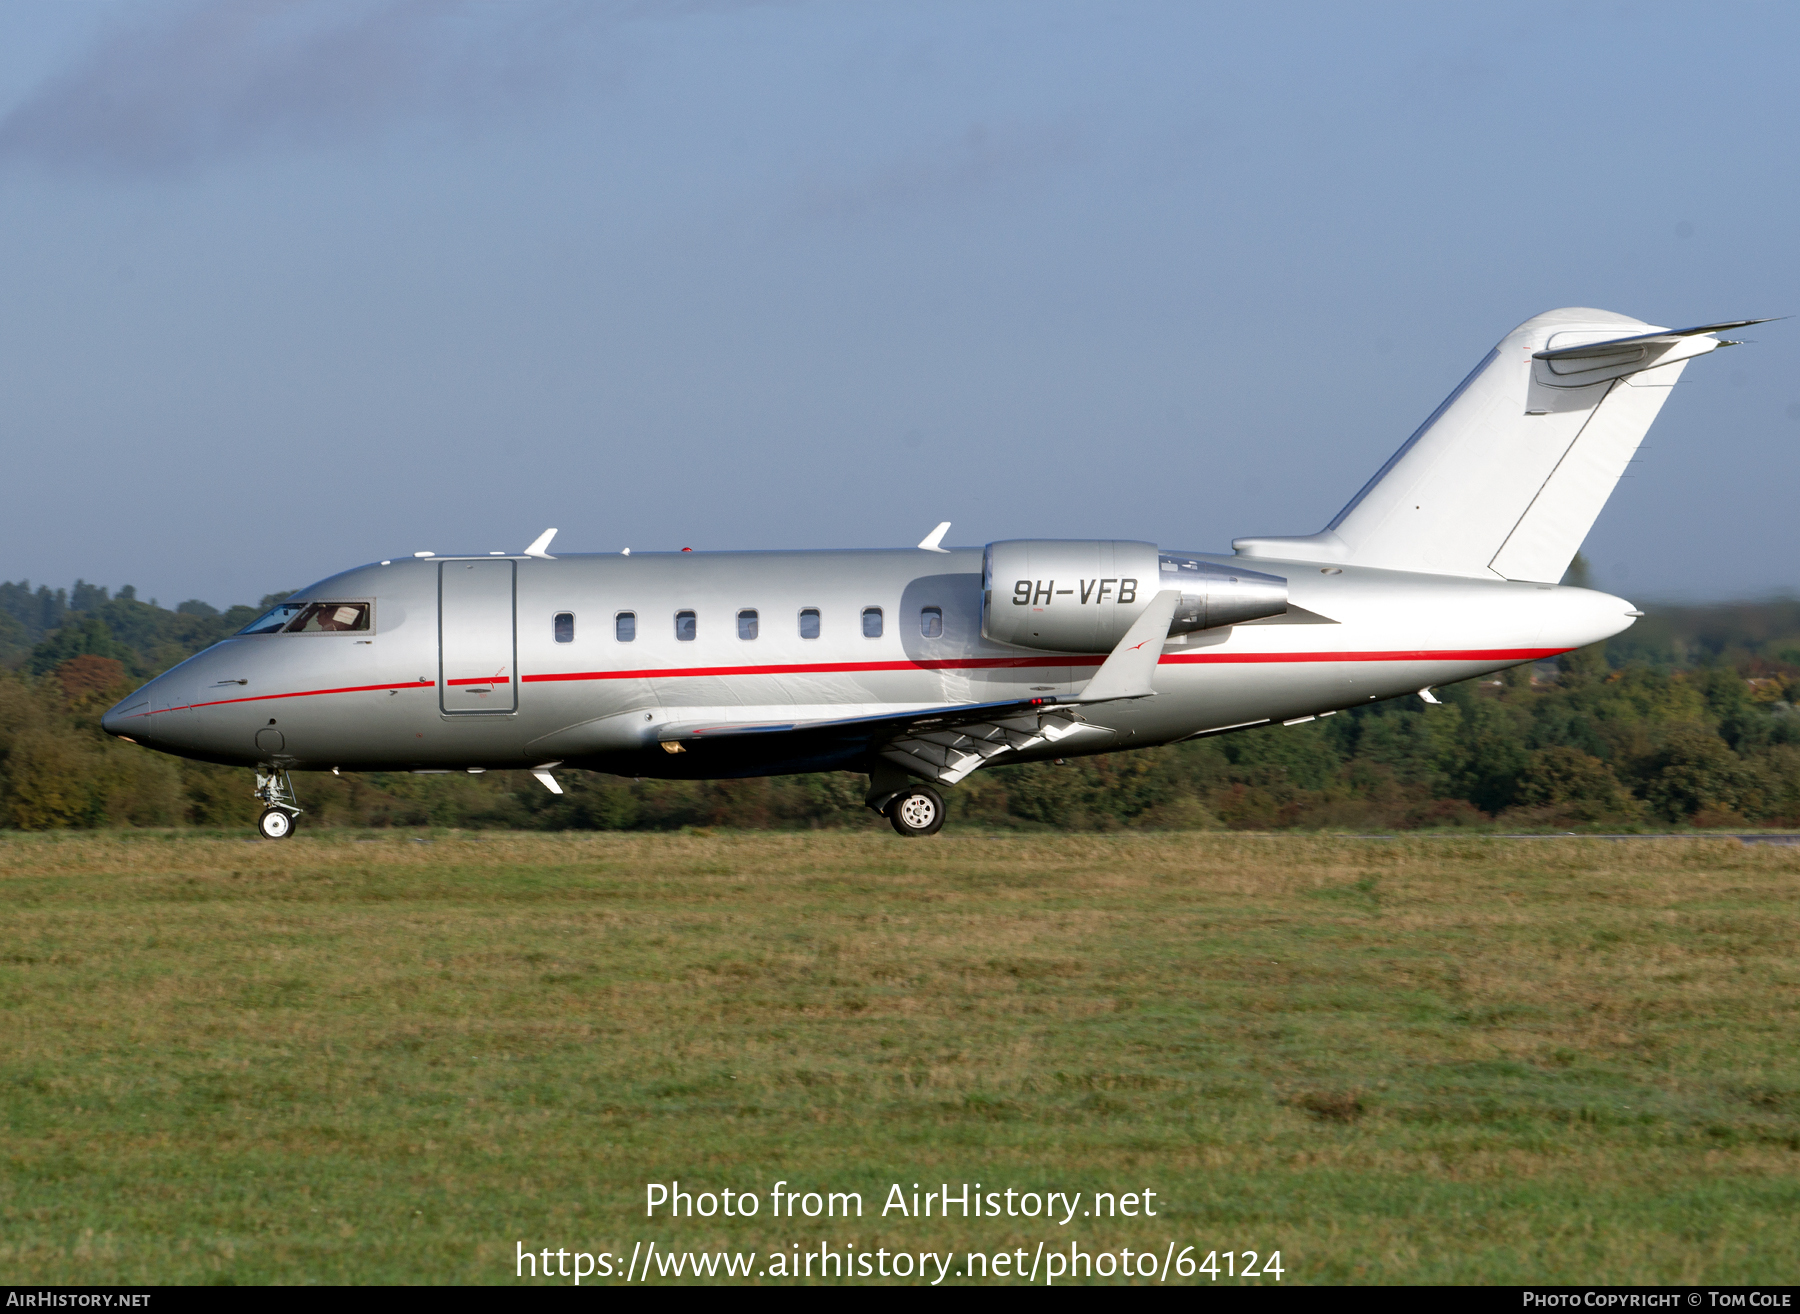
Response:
column 1073, row 595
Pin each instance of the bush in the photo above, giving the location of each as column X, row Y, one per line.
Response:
column 1562, row 784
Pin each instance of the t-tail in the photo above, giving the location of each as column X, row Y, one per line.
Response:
column 1507, row 476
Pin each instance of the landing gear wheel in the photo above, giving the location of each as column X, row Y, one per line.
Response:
column 916, row 811
column 281, row 810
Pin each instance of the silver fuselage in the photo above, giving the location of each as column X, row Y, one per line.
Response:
column 412, row 694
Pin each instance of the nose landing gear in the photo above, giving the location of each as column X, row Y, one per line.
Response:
column 281, row 811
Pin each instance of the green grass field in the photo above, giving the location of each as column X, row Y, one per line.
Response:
column 365, row 1058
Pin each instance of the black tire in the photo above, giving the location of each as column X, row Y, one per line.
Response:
column 274, row 824
column 915, row 812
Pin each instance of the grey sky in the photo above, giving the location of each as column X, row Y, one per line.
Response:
column 291, row 286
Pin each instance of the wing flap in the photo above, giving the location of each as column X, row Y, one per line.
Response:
column 947, row 756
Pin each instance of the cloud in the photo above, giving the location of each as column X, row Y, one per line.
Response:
column 218, row 78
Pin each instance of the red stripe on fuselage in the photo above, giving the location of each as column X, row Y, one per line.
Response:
column 1420, row 655
column 1090, row 659
column 304, row 693
column 823, row 668
column 966, row 664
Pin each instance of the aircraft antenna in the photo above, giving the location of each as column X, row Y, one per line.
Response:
column 936, row 536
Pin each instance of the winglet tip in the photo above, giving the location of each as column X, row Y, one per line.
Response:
column 930, row 542
column 540, row 546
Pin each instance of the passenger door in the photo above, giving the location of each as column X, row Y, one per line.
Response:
column 477, row 649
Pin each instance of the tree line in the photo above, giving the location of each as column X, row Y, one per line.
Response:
column 1687, row 719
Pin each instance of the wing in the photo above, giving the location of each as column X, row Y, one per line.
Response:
column 947, row 753
column 868, row 724
column 943, row 744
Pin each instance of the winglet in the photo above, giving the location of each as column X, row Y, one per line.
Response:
column 542, row 773
column 1129, row 671
column 936, row 536
column 540, row 547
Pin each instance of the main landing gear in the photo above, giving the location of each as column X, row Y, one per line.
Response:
column 915, row 811
column 281, row 811
column 912, row 807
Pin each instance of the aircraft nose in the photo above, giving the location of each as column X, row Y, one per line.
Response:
column 123, row 716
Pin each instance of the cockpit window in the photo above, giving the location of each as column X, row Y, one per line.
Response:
column 272, row 620
column 331, row 617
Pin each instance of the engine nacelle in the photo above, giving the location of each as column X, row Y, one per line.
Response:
column 1073, row 595
column 1213, row 595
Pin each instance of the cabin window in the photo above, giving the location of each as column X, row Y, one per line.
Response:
column 931, row 622
column 685, row 626
column 746, row 624
column 809, row 623
column 565, row 627
column 871, row 622
column 625, row 626
column 273, row 620
column 331, row 618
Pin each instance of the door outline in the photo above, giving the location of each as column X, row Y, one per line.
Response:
column 512, row 612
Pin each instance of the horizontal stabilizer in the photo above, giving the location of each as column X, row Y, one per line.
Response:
column 1665, row 336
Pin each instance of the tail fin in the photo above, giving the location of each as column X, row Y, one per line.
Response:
column 1505, row 479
